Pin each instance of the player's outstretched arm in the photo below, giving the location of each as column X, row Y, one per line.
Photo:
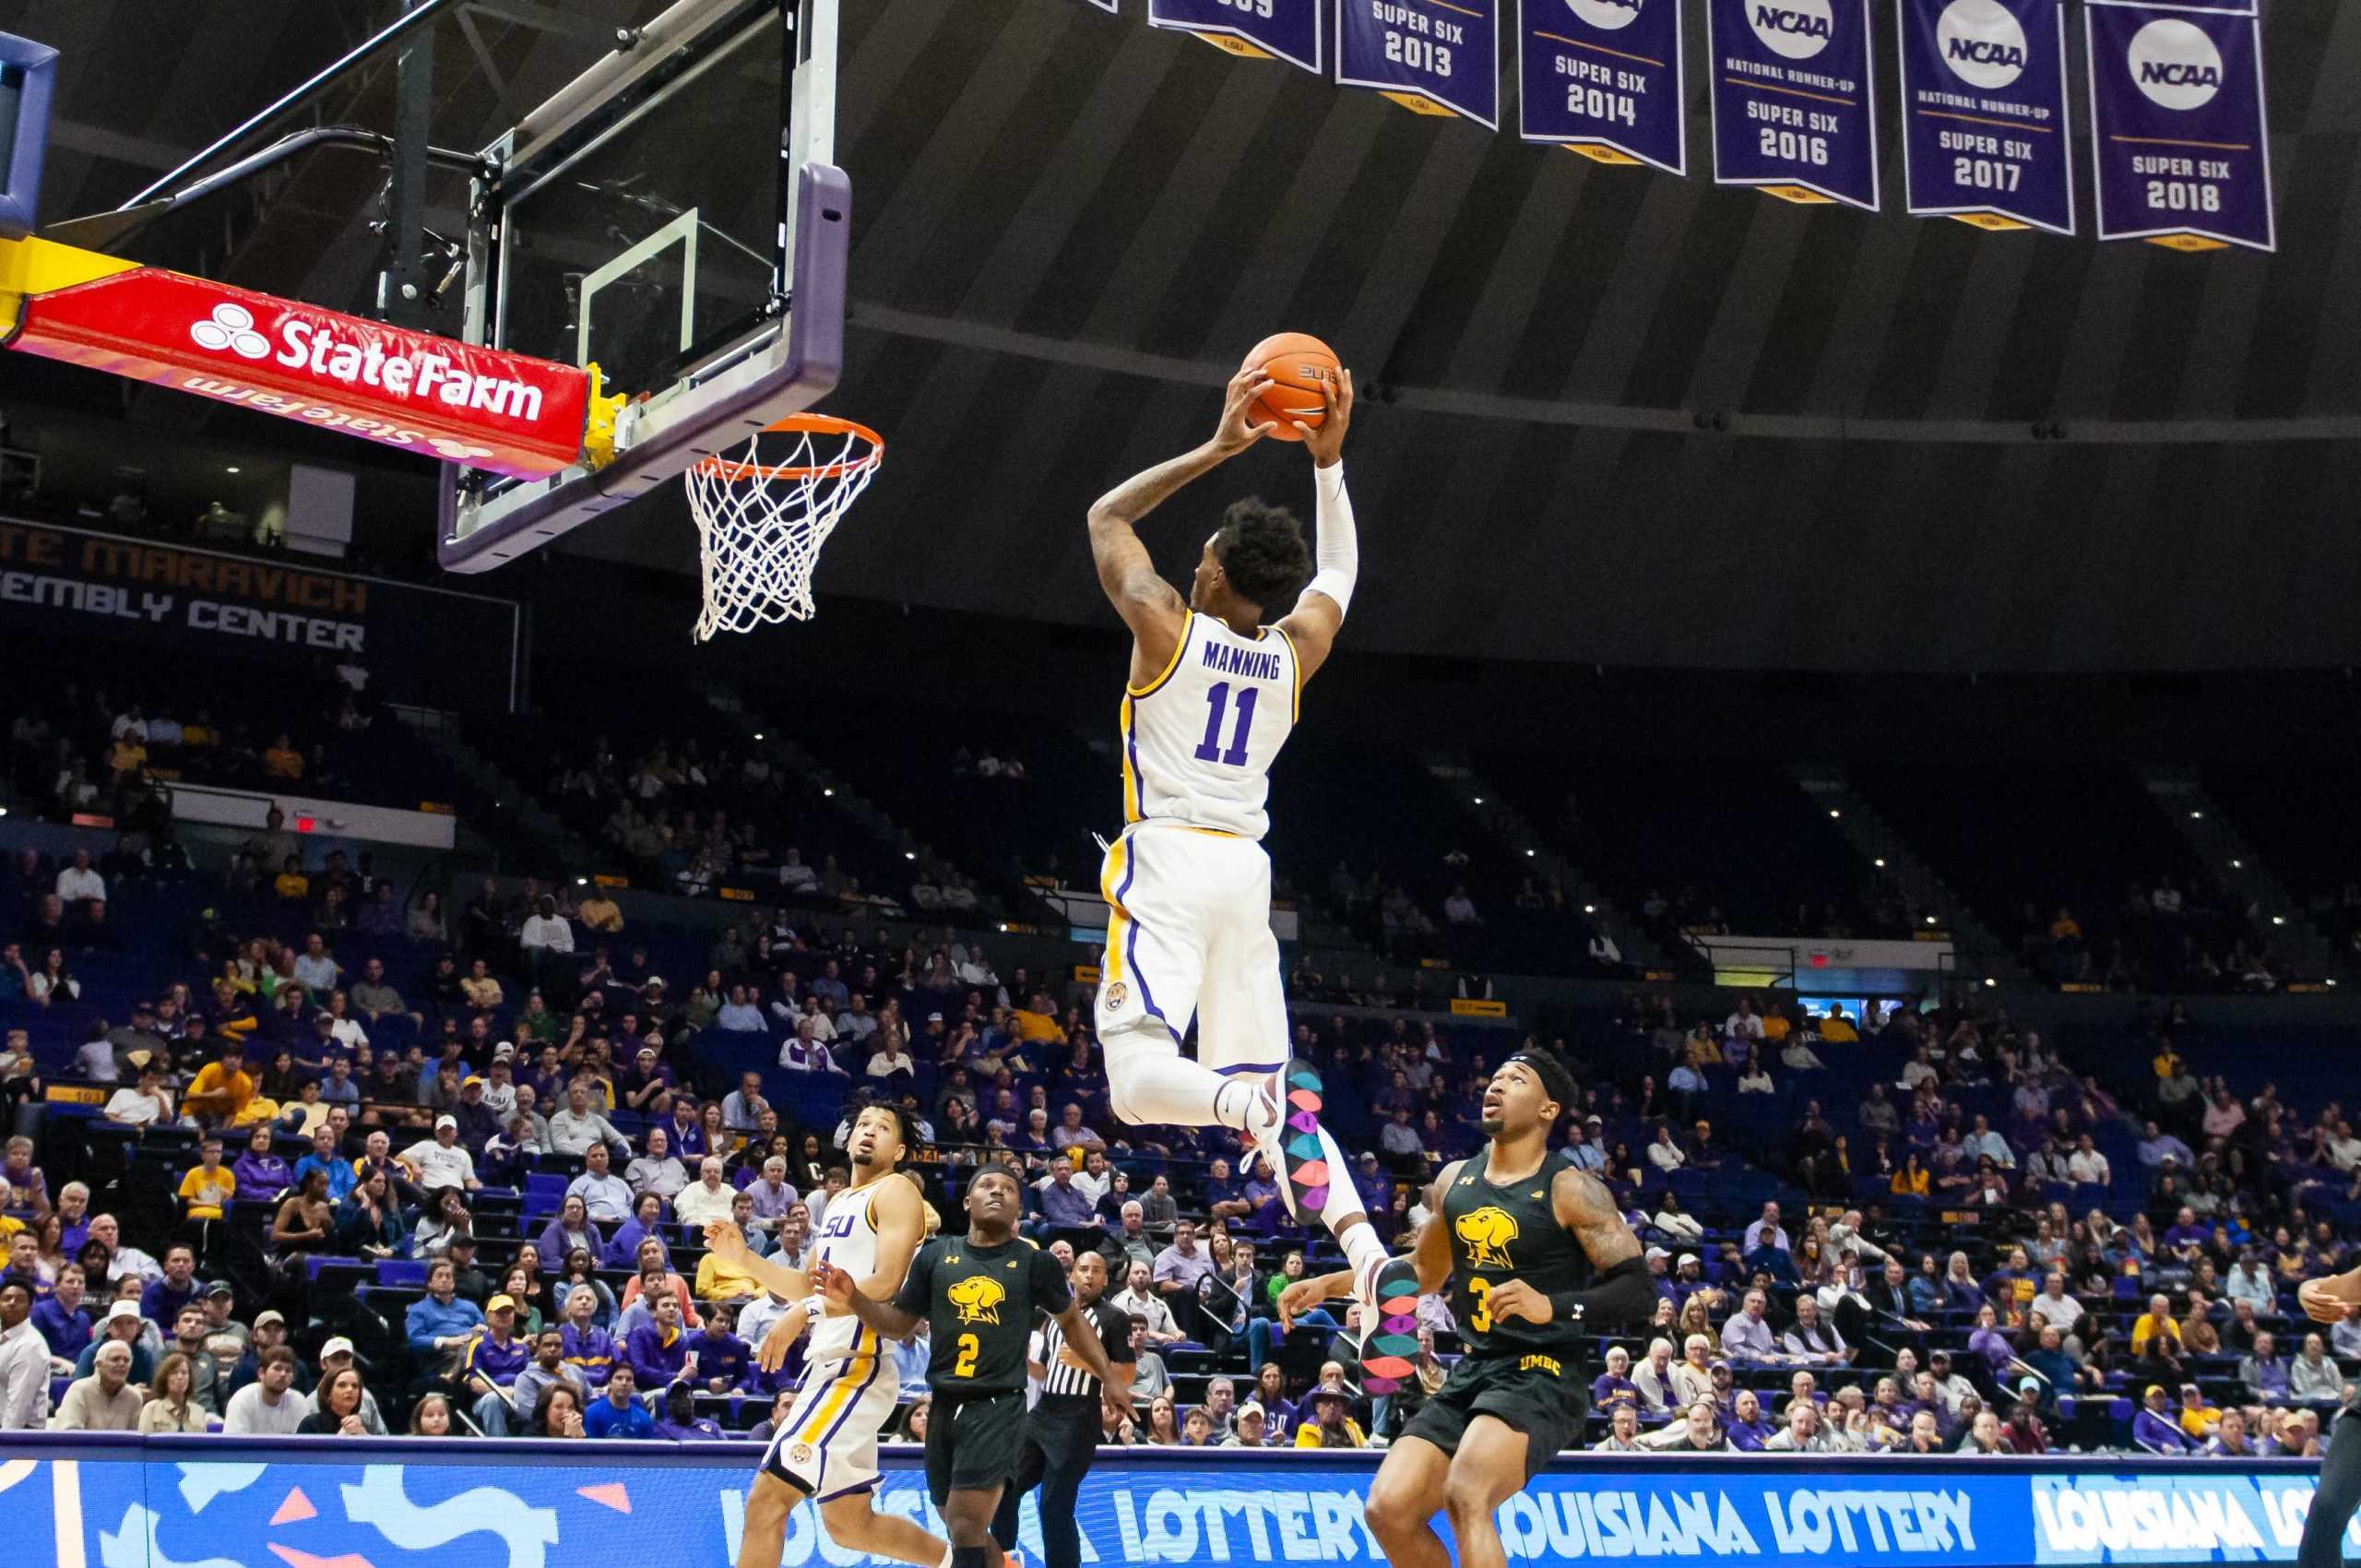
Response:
column 842, row 1293
column 1623, row 1292
column 1319, row 612
column 1146, row 602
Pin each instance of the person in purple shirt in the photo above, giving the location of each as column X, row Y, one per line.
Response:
column 657, row 1351
column 687, row 1133
column 493, row 1355
column 2186, row 1235
column 1065, row 1206
column 2155, row 1429
column 723, row 1359
column 160, row 1303
column 680, row 1422
column 646, row 1220
column 60, row 1316
column 573, row 1228
column 589, row 1349
column 261, row 1174
column 1614, row 1386
column 1747, row 1431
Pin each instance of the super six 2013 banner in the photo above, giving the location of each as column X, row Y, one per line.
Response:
column 2178, row 134
column 1794, row 95
column 1433, row 56
column 1984, row 130
column 1604, row 78
column 323, row 1502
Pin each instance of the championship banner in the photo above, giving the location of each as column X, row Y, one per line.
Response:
column 1251, row 30
column 1106, row 6
column 1794, row 97
column 193, row 604
column 1604, row 78
column 1984, row 125
column 118, row 1500
column 2178, row 134
column 1430, row 56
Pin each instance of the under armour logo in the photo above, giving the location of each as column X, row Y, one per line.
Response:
column 231, row 328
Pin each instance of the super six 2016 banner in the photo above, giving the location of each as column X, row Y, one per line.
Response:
column 1604, row 78
column 2178, row 136
column 1794, row 90
column 1984, row 131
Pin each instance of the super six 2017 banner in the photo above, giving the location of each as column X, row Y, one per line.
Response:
column 2178, row 134
column 1433, row 56
column 1604, row 78
column 1793, row 96
column 1984, row 130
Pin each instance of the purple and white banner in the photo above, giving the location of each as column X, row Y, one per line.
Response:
column 1604, row 78
column 1434, row 56
column 1107, row 6
column 1256, row 29
column 1984, row 128
column 2178, row 136
column 1794, row 92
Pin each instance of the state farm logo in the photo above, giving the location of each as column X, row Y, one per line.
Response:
column 231, row 328
column 1982, row 43
column 2176, row 64
column 1797, row 29
column 1606, row 15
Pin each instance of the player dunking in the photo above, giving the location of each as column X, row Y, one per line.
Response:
column 1539, row 1262
column 826, row 1449
column 1214, row 693
column 977, row 1293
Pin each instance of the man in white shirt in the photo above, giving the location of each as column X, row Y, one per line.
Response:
column 77, row 884
column 1747, row 1336
column 2062, row 1311
column 2086, row 1164
column 24, row 1360
column 1138, row 1299
column 546, row 931
column 577, row 1128
column 740, row 1015
column 145, row 1106
column 440, row 1161
column 891, row 1059
column 607, row 1195
column 705, row 1200
column 268, row 1407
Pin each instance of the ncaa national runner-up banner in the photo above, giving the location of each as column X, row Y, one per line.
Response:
column 1254, row 30
column 1984, row 137
column 1793, row 96
column 2179, row 134
column 1603, row 78
column 1430, row 56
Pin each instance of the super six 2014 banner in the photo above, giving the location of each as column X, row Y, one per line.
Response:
column 326, row 1502
column 1983, row 129
column 1604, row 78
column 1433, row 56
column 1793, row 96
column 2178, row 134
column 1256, row 29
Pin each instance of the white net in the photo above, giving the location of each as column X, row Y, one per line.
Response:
column 763, row 513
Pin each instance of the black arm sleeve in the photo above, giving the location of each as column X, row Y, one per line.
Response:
column 1625, row 1293
column 1051, row 1294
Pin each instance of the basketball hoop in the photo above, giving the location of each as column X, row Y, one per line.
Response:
column 764, row 513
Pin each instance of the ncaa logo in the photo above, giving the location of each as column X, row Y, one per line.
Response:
column 2176, row 64
column 1797, row 29
column 1981, row 43
column 1606, row 15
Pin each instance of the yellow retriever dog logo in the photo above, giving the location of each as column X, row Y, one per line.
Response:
column 978, row 1297
column 1486, row 1233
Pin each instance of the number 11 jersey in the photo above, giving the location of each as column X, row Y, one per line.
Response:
column 1200, row 739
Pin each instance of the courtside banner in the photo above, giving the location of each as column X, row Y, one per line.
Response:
column 1253, row 30
column 1430, row 56
column 115, row 1501
column 1603, row 78
column 1984, row 137
column 2178, row 134
column 1793, row 96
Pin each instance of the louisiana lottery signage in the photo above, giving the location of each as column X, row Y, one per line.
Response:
column 1793, row 95
column 1434, row 56
column 1257, row 30
column 1983, row 129
column 2178, row 136
column 1603, row 78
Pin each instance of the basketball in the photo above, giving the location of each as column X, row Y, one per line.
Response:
column 1299, row 362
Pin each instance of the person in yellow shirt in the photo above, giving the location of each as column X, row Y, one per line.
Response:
column 290, row 883
column 719, row 1281
column 1912, row 1180
column 1776, row 1026
column 204, row 1189
column 282, row 760
column 2167, row 1062
column 2157, row 1319
column 128, row 757
column 221, row 1090
column 2064, row 928
column 1331, row 1423
column 600, row 912
column 1837, row 1029
column 1036, row 1021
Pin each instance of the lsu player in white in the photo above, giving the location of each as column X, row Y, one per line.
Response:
column 1213, row 694
column 826, row 1449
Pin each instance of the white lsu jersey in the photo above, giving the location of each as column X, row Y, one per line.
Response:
column 848, row 1238
column 1200, row 739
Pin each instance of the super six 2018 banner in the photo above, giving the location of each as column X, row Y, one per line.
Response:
column 1984, row 130
column 1603, row 78
column 1434, row 56
column 2178, row 134
column 325, row 1502
column 1793, row 96
column 1257, row 30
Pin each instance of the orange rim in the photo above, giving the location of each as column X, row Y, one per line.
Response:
column 734, row 470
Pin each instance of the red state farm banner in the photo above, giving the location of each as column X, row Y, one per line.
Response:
column 508, row 412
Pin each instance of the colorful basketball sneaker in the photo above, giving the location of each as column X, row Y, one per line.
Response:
column 1387, row 1293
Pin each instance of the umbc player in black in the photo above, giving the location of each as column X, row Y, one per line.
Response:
column 977, row 1294
column 1539, row 1264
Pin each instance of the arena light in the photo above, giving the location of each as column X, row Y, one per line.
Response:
column 830, row 792
column 1879, row 863
column 1479, row 800
column 231, row 469
column 1528, row 854
column 1833, row 812
column 2238, row 865
column 758, row 734
column 909, row 854
column 1590, row 909
column 581, row 882
column 1930, row 919
column 1989, row 981
column 2196, row 817
column 2279, row 919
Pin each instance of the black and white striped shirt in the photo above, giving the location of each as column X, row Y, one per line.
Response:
column 1114, row 1337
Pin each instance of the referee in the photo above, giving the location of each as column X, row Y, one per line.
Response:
column 1062, row 1434
column 977, row 1292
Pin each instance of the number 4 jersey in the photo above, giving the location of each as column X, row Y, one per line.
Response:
column 1199, row 740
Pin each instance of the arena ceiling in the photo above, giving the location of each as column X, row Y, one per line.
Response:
column 1611, row 415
